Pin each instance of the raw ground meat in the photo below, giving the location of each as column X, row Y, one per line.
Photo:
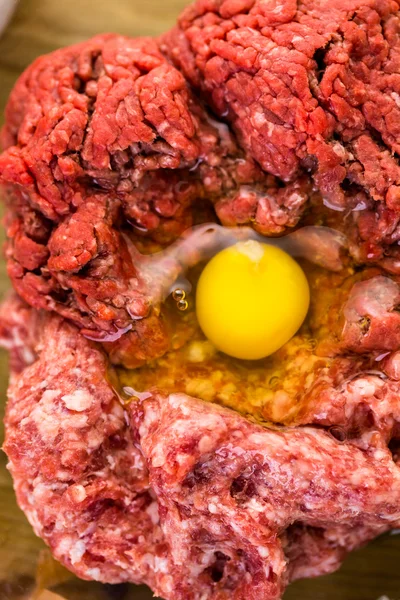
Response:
column 115, row 137
column 102, row 140
column 121, row 157
column 192, row 498
column 306, row 85
column 309, row 86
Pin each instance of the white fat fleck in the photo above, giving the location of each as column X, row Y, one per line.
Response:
column 181, row 458
column 111, row 461
column 137, row 462
column 160, row 565
column 358, row 477
column 339, row 150
column 212, row 508
column 78, row 493
column 18, row 341
column 40, row 493
column 365, row 387
column 93, row 574
column 185, row 410
column 152, row 511
column 259, row 119
column 74, row 422
column 79, row 400
column 158, row 458
column 64, row 546
column 77, row 551
column 271, row 128
column 50, row 395
column 396, row 98
column 176, row 400
column 94, row 439
column 255, row 505
column 252, row 249
column 150, row 417
column 295, row 198
column 43, row 415
column 27, row 355
column 278, row 10
column 206, row 444
column 148, row 559
column 263, row 551
column 380, row 454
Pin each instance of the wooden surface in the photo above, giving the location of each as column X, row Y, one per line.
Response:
column 40, row 26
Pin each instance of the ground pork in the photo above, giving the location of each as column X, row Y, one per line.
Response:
column 189, row 497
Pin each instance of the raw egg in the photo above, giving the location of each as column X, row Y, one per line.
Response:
column 251, row 299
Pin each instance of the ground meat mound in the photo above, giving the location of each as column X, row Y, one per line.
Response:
column 105, row 139
column 306, row 85
column 192, row 498
column 115, row 137
column 309, row 86
column 122, row 159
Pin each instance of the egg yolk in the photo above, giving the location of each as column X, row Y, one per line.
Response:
column 251, row 299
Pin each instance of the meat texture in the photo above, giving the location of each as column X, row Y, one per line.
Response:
column 307, row 86
column 268, row 115
column 103, row 140
column 192, row 498
column 86, row 489
column 115, row 138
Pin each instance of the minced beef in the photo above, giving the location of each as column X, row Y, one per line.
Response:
column 306, row 85
column 105, row 139
column 108, row 137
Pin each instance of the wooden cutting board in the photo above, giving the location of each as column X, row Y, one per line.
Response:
column 40, row 26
